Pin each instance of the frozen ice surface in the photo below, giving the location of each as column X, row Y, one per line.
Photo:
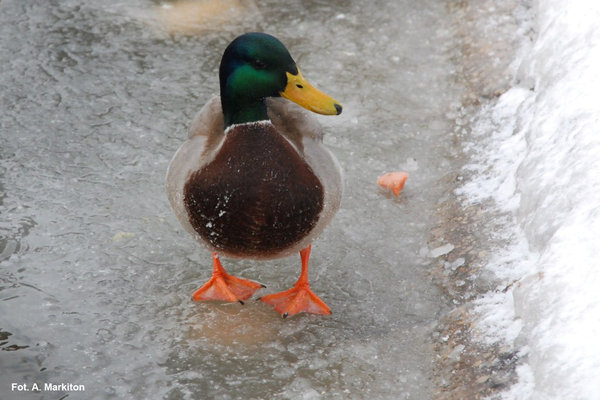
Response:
column 96, row 274
column 539, row 157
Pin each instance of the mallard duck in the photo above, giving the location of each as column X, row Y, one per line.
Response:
column 254, row 180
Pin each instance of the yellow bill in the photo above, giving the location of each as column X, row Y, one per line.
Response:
column 306, row 95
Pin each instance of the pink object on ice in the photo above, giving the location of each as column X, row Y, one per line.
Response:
column 393, row 181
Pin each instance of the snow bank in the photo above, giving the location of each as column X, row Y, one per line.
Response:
column 538, row 155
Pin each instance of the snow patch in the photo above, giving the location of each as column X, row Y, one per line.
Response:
column 537, row 155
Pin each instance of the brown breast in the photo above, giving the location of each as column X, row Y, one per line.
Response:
column 257, row 197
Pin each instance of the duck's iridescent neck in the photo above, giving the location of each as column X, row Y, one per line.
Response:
column 236, row 112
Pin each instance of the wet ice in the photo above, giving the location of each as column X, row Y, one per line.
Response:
column 97, row 274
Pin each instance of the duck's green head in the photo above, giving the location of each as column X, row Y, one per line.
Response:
column 256, row 66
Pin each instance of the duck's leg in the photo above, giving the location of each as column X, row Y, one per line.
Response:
column 299, row 298
column 225, row 287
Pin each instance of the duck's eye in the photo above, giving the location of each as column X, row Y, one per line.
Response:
column 259, row 64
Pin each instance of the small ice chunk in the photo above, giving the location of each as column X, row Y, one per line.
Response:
column 442, row 250
column 459, row 262
column 456, row 353
column 411, row 164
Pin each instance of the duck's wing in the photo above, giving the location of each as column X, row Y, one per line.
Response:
column 209, row 120
column 293, row 121
column 204, row 137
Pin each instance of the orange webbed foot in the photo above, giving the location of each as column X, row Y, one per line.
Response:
column 296, row 300
column 225, row 287
column 300, row 298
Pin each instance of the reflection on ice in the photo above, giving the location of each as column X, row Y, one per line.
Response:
column 197, row 17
